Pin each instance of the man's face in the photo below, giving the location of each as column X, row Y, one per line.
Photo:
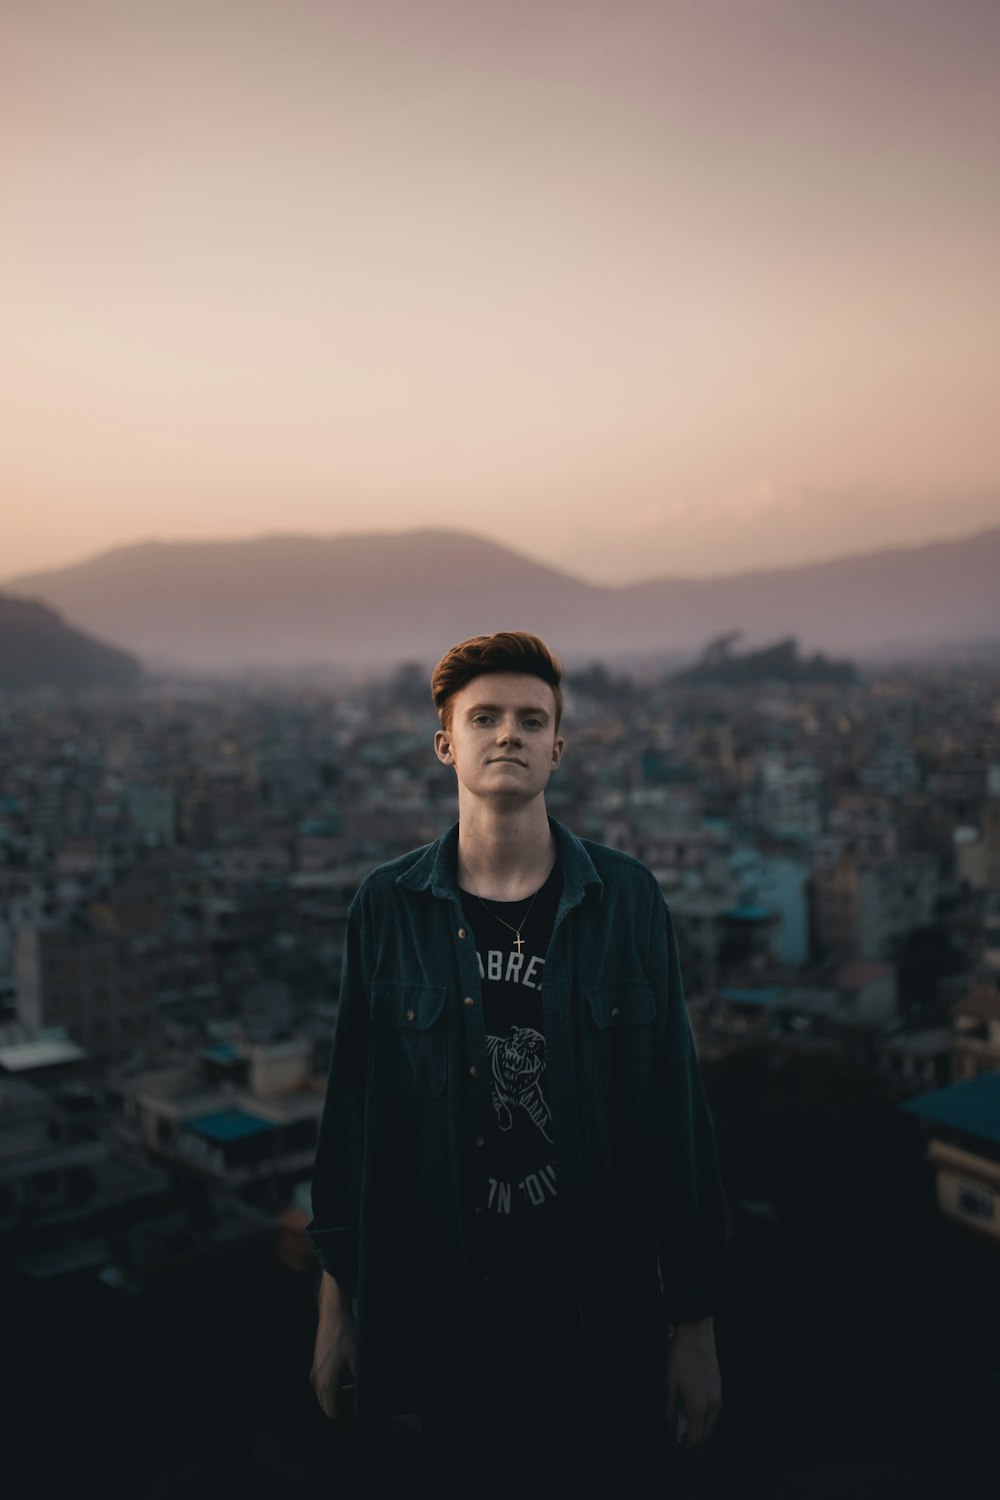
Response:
column 502, row 740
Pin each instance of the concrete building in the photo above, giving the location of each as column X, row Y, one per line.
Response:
column 699, row 922
column 151, row 813
column 867, row 994
column 963, row 1124
column 918, row 1060
column 779, row 881
column 46, row 1057
column 239, row 1114
column 97, row 988
column 736, row 1017
column 865, row 908
column 976, row 1034
column 784, row 798
column 63, row 1193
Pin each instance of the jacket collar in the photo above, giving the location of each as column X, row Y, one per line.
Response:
column 437, row 866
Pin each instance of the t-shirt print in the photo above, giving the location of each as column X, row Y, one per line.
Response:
column 519, row 1158
column 517, row 1071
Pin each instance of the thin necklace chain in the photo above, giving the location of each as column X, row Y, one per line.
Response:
column 518, row 942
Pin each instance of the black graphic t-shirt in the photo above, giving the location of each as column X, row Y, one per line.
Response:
column 520, row 1245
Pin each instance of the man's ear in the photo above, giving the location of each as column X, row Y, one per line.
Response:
column 442, row 748
column 557, row 750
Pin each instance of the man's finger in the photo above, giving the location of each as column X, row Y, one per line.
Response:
column 693, row 1434
column 702, row 1427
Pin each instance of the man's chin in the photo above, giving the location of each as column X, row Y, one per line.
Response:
column 510, row 792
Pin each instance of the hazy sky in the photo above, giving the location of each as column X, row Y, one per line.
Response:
column 636, row 287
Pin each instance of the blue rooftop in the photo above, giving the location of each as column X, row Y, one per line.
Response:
column 766, row 995
column 222, row 1052
column 229, row 1125
column 748, row 912
column 321, row 827
column 972, row 1106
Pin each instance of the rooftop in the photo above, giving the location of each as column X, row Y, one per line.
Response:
column 766, row 995
column 41, row 1052
column 972, row 1107
column 228, row 1125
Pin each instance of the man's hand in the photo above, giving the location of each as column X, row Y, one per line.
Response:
column 693, row 1376
column 332, row 1373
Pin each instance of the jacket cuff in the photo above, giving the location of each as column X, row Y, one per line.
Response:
column 696, row 1307
column 337, row 1252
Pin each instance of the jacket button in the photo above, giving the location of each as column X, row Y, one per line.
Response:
column 615, row 1013
column 480, row 1140
column 469, row 1000
column 461, row 932
column 409, row 1015
column 479, row 1208
column 473, row 1071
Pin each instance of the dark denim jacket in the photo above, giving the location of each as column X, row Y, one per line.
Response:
column 396, row 1177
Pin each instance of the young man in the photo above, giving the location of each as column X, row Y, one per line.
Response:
column 516, row 1195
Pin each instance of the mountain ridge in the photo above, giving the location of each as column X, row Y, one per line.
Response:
column 151, row 544
column 286, row 599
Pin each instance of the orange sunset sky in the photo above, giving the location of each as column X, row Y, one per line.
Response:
column 638, row 288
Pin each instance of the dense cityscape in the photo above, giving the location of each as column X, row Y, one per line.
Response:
column 176, row 864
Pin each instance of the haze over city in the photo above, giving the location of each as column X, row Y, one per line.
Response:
column 643, row 290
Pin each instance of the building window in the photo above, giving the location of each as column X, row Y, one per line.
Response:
column 976, row 1202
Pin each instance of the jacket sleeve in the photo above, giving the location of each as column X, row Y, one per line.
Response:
column 337, row 1174
column 691, row 1214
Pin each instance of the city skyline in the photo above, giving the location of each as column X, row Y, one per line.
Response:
column 673, row 290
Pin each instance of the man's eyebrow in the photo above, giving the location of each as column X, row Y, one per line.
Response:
column 524, row 708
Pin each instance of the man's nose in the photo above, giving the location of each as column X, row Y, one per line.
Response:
column 509, row 731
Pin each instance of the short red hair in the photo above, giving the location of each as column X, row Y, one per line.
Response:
column 506, row 651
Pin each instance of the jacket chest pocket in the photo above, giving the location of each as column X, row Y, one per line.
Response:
column 620, row 1019
column 409, row 1042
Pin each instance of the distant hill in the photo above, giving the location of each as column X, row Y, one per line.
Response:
column 780, row 662
column 285, row 601
column 38, row 649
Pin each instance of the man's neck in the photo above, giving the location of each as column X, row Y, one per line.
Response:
column 504, row 855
